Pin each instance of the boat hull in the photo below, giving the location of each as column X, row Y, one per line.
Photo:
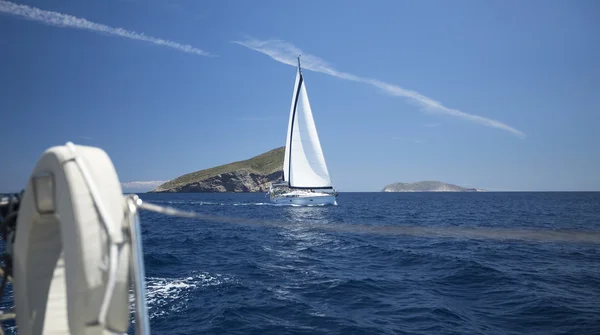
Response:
column 312, row 200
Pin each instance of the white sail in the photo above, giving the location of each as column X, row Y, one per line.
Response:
column 286, row 157
column 307, row 168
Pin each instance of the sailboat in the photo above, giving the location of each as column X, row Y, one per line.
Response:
column 306, row 180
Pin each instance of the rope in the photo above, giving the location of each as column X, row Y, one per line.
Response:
column 170, row 211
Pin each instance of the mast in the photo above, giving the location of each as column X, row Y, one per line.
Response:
column 292, row 119
column 287, row 156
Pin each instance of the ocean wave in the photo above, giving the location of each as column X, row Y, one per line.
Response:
column 393, row 264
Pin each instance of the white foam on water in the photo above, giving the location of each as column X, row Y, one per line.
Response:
column 204, row 203
column 252, row 204
column 168, row 295
column 273, row 204
column 308, row 205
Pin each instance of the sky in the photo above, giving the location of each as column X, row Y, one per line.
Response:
column 499, row 94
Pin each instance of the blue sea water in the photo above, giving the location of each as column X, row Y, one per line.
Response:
column 424, row 270
column 378, row 263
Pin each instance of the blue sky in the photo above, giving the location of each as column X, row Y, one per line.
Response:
column 500, row 95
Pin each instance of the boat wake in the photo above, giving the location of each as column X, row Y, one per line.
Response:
column 212, row 203
column 296, row 205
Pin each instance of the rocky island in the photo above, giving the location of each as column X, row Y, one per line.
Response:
column 251, row 175
column 427, row 186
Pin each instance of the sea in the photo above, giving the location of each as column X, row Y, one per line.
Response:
column 377, row 263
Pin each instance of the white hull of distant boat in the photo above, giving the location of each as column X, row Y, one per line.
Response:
column 304, row 198
column 306, row 179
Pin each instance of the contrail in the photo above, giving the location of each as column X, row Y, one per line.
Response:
column 286, row 53
column 69, row 21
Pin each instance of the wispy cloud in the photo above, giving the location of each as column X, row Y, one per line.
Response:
column 69, row 21
column 286, row 53
column 143, row 184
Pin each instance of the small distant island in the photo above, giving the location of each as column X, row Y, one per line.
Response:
column 251, row 175
column 428, row 186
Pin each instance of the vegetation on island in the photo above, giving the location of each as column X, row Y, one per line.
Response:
column 264, row 164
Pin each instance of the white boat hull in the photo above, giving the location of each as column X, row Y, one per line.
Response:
column 304, row 200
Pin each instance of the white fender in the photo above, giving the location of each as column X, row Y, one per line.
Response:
column 71, row 217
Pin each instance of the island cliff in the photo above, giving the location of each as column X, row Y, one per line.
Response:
column 427, row 186
column 251, row 175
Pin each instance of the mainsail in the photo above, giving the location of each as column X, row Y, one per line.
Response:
column 286, row 157
column 304, row 164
